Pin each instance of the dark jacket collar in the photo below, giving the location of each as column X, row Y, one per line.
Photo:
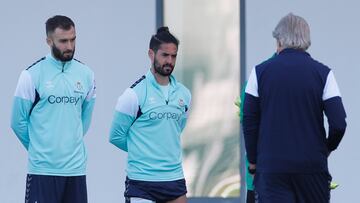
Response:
column 292, row 50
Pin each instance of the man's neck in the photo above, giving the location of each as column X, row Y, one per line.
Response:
column 161, row 80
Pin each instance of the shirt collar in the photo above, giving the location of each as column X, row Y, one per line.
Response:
column 150, row 75
column 58, row 64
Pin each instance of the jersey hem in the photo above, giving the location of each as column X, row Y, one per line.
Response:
column 57, row 172
column 151, row 178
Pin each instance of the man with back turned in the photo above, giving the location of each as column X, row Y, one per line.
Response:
column 285, row 99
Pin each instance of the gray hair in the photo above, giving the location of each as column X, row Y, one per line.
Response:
column 293, row 32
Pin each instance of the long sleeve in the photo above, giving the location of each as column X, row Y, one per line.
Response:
column 22, row 105
column 334, row 111
column 251, row 117
column 125, row 114
column 88, row 107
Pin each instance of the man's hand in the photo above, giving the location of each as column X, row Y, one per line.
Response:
column 252, row 169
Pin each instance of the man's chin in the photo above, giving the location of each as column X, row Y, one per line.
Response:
column 164, row 74
column 168, row 72
column 66, row 58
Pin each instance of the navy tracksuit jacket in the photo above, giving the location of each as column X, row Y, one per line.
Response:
column 285, row 101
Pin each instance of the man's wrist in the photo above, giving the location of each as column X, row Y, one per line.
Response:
column 252, row 171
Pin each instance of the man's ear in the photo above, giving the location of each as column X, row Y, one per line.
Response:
column 49, row 41
column 278, row 46
column 151, row 55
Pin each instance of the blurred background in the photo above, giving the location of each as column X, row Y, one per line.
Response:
column 209, row 33
column 220, row 42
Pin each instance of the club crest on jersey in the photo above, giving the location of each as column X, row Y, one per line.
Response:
column 78, row 88
column 181, row 103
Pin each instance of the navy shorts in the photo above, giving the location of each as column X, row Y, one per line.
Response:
column 158, row 191
column 250, row 196
column 55, row 189
column 292, row 187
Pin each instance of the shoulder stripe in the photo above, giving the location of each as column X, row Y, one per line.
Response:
column 79, row 61
column 331, row 88
column 35, row 63
column 252, row 84
column 138, row 81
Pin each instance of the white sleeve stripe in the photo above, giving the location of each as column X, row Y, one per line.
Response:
column 128, row 103
column 25, row 88
column 331, row 88
column 252, row 85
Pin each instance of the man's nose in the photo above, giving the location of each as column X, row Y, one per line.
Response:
column 170, row 60
column 69, row 45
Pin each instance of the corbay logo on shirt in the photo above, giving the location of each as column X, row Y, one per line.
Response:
column 164, row 115
column 52, row 99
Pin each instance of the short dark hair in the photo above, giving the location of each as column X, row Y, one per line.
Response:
column 58, row 21
column 162, row 36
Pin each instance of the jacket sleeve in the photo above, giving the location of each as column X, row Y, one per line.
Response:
column 334, row 111
column 88, row 107
column 22, row 105
column 126, row 111
column 251, row 117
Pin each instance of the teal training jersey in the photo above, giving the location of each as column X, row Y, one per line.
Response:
column 51, row 113
column 148, row 127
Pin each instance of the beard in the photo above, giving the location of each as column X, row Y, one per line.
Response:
column 61, row 55
column 163, row 70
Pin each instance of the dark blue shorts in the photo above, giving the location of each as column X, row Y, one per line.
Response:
column 292, row 187
column 159, row 191
column 55, row 189
column 250, row 196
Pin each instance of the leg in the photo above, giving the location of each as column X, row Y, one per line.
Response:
column 181, row 199
column 274, row 188
column 42, row 188
column 75, row 191
column 312, row 188
column 250, row 196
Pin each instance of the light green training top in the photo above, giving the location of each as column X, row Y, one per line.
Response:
column 51, row 113
column 148, row 126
